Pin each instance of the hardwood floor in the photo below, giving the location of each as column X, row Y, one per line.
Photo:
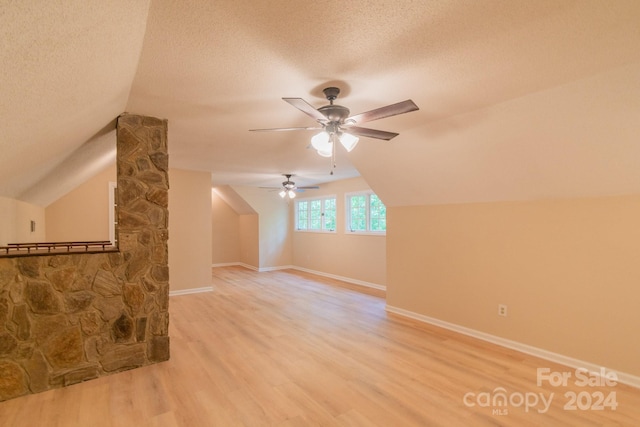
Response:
column 287, row 348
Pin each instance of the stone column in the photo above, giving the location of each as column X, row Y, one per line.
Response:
column 69, row 318
column 143, row 219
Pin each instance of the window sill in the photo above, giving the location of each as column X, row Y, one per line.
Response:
column 366, row 233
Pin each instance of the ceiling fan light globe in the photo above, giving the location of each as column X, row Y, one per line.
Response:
column 349, row 141
column 292, row 194
column 320, row 141
column 326, row 153
column 282, row 193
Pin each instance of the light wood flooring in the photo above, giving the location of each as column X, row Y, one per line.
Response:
column 286, row 348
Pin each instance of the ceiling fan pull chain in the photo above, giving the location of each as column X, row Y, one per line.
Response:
column 333, row 153
column 333, row 164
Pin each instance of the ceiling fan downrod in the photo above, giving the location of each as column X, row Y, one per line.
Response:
column 331, row 93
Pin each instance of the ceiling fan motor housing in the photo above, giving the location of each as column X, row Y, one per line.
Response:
column 335, row 113
column 288, row 184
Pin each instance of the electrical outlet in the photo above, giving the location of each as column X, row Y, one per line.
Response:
column 502, row 310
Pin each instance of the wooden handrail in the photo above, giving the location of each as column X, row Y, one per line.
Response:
column 56, row 247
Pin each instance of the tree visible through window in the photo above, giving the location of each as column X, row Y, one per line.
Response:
column 358, row 210
column 330, row 214
column 366, row 213
column 302, row 215
column 316, row 214
column 378, row 214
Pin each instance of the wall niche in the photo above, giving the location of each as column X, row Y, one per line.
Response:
column 69, row 318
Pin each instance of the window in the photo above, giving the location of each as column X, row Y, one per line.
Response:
column 316, row 214
column 113, row 212
column 366, row 213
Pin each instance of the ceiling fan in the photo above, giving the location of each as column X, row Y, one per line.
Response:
column 335, row 122
column 289, row 187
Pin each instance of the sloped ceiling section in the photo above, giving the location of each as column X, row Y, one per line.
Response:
column 234, row 200
column 580, row 139
column 66, row 72
column 518, row 99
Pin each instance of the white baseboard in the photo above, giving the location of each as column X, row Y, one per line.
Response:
column 306, row 270
column 251, row 267
column 234, row 264
column 344, row 279
column 632, row 380
column 190, row 291
column 281, row 267
column 225, row 264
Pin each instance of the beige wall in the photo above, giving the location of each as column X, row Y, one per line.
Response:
column 82, row 214
column 189, row 229
column 275, row 233
column 249, row 240
column 568, row 270
column 267, row 240
column 359, row 257
column 225, row 232
column 273, row 230
column 15, row 222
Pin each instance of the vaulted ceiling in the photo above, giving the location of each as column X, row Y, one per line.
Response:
column 519, row 99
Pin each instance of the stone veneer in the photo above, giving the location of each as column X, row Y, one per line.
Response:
column 71, row 318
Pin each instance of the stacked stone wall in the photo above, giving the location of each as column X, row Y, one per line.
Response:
column 71, row 318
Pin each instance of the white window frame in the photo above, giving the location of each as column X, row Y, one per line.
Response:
column 113, row 209
column 323, row 228
column 368, row 194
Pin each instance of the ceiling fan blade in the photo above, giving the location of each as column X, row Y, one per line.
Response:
column 371, row 133
column 306, row 108
column 382, row 112
column 284, row 129
column 312, row 187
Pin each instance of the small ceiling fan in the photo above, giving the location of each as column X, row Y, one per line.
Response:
column 289, row 187
column 335, row 122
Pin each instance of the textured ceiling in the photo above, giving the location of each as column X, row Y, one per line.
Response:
column 518, row 100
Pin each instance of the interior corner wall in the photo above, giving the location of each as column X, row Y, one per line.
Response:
column 354, row 256
column 275, row 235
column 189, row 229
column 15, row 222
column 249, row 240
column 273, row 228
column 568, row 271
column 225, row 232
column 82, row 214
